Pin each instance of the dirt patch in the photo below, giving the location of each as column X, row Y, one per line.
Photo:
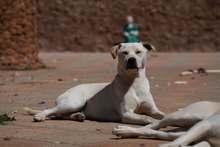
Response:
column 163, row 70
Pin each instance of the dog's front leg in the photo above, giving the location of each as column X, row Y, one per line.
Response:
column 200, row 130
column 133, row 118
column 126, row 132
column 202, row 144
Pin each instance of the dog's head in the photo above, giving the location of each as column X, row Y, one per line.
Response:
column 131, row 56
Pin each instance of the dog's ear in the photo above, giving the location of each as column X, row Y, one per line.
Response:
column 149, row 47
column 114, row 51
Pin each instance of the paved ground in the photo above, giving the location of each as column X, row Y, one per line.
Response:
column 28, row 88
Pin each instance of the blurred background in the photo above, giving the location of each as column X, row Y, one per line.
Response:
column 30, row 26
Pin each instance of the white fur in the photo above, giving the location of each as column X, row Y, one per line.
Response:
column 122, row 100
column 203, row 118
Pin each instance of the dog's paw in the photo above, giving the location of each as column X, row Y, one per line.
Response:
column 124, row 132
column 158, row 115
column 81, row 117
column 78, row 117
column 39, row 117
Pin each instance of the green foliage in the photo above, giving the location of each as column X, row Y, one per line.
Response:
column 4, row 118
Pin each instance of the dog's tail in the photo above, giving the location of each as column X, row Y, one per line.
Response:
column 31, row 111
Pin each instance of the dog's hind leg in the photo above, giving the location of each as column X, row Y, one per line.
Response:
column 69, row 102
column 60, row 110
column 197, row 132
column 42, row 115
column 66, row 113
column 178, row 118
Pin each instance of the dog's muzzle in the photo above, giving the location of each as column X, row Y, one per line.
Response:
column 132, row 63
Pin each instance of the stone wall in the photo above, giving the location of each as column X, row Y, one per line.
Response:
column 18, row 46
column 95, row 25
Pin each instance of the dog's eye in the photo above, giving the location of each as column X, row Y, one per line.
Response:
column 138, row 52
column 125, row 52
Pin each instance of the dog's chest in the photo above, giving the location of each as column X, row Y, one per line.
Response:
column 140, row 93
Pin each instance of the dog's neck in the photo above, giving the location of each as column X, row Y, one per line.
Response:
column 129, row 76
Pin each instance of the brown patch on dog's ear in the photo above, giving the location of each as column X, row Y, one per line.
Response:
column 114, row 51
column 149, row 47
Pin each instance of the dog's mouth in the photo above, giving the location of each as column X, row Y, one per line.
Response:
column 131, row 66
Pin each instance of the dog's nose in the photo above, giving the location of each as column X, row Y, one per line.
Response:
column 132, row 60
column 132, row 63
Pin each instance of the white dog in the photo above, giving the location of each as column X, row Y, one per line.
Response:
column 203, row 118
column 126, row 99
